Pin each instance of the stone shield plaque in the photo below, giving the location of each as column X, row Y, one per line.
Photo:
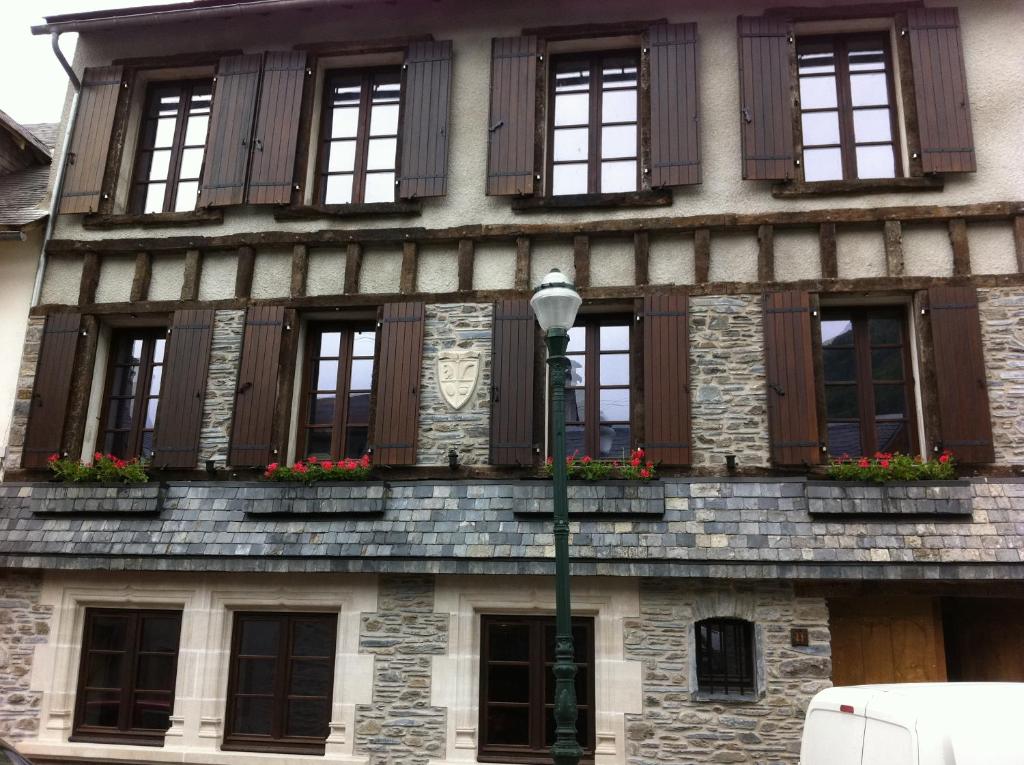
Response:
column 457, row 374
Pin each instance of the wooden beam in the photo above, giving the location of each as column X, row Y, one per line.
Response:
column 702, row 255
column 894, row 248
column 581, row 261
column 353, row 264
column 641, row 257
column 765, row 253
column 193, row 273
column 407, row 280
column 1018, row 241
column 143, row 276
column 81, row 386
column 300, row 268
column 961, row 247
column 243, row 274
column 466, row 251
column 827, row 251
column 522, row 278
column 90, row 279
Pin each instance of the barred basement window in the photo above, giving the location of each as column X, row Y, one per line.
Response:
column 725, row 657
column 133, row 392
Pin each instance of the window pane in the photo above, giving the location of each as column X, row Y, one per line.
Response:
column 158, row 350
column 159, row 165
column 309, row 677
column 570, row 144
column 341, row 157
column 380, row 187
column 615, row 405
column 152, row 711
column 840, row 364
column 253, row 715
column 572, row 109
column 358, row 408
column 101, row 708
column 154, row 198
column 572, row 76
column 569, row 179
column 355, row 442
column 577, row 340
column 615, row 369
column 165, row 132
column 816, row 62
column 887, row 364
column 259, row 637
column 618, row 176
column 155, row 672
column 508, row 725
column 615, row 441
column 154, row 380
column 841, row 400
column 345, row 122
column 330, row 344
column 844, row 438
column 188, row 194
column 151, row 407
column 871, row 125
column 820, row 128
column 818, row 92
column 191, row 163
column 363, row 343
column 575, row 401
column 823, row 164
column 124, row 381
column 362, row 372
column 321, row 409
column 892, row 436
column 256, row 675
column 195, row 130
column 836, row 332
column 508, row 642
column 318, row 442
column 120, row 416
column 875, row 162
column 619, row 72
column 313, row 637
column 868, row 58
column 869, row 89
column 103, row 670
column 308, row 718
column 574, row 440
column 384, row 119
column 508, row 683
column 339, row 190
column 109, row 633
column 381, row 153
column 890, row 400
column 618, row 106
column 614, row 338
column 618, row 141
column 326, row 375
column 577, row 373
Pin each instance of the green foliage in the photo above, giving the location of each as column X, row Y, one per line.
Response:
column 889, row 466
column 312, row 470
column 586, row 468
column 106, row 468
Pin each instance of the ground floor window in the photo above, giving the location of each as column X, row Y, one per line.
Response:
column 725, row 657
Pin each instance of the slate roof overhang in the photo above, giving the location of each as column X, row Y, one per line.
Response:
column 23, row 197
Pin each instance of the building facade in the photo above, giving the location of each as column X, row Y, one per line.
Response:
column 302, row 229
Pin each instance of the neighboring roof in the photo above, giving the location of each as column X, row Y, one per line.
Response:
column 23, row 193
column 46, row 132
column 40, row 149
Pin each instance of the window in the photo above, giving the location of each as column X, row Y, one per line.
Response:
column 847, row 108
column 171, row 146
column 725, row 657
column 359, row 146
column 133, row 391
column 597, row 395
column 126, row 678
column 868, row 385
column 281, row 682
column 594, row 133
column 338, row 387
column 517, row 687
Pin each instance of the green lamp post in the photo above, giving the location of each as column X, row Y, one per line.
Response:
column 555, row 304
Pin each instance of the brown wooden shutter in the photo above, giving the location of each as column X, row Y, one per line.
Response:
column 256, row 396
column 789, row 369
column 229, row 139
column 666, row 351
column 512, row 393
column 277, row 129
column 180, row 413
column 766, row 116
column 426, row 96
column 87, row 156
column 51, row 388
column 940, row 91
column 965, row 422
column 397, row 397
column 512, row 126
column 675, row 144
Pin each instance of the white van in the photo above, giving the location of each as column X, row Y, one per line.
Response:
column 916, row 724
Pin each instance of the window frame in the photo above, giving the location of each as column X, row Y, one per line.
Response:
column 536, row 755
column 283, row 744
column 136, row 433
column 705, row 687
column 124, row 734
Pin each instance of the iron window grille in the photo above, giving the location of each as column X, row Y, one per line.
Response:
column 725, row 657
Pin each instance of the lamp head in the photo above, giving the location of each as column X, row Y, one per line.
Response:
column 555, row 302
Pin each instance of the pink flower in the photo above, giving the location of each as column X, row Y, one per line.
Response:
column 943, row 458
column 365, row 460
column 863, row 462
column 550, row 460
column 327, row 464
column 884, row 463
column 586, row 460
column 311, row 460
column 119, row 464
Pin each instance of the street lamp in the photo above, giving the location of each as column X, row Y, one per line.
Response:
column 555, row 303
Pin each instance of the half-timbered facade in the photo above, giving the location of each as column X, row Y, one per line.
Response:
column 305, row 229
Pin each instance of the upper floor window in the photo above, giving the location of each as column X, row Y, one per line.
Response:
column 725, row 657
column 359, row 148
column 172, row 142
column 127, row 675
column 133, row 391
column 847, row 105
column 338, row 385
column 595, row 142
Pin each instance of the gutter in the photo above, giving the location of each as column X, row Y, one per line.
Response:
column 58, row 185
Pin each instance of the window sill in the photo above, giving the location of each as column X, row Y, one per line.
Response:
column 272, row 747
column 652, row 198
column 120, row 739
column 190, row 218
column 798, row 189
column 312, row 212
column 726, row 698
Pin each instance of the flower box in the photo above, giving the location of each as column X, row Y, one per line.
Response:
column 593, row 498
column 324, row 497
column 895, row 498
column 95, row 498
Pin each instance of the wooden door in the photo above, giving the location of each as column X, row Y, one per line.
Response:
column 985, row 639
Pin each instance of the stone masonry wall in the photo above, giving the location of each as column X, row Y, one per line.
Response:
column 400, row 727
column 1002, row 331
column 24, row 624
column 676, row 728
column 455, row 326
column 23, row 393
column 727, row 381
column 225, row 353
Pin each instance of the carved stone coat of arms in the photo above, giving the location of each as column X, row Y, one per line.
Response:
column 457, row 376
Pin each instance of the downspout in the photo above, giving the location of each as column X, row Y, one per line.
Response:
column 58, row 185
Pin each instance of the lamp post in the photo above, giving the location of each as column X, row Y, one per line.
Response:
column 555, row 304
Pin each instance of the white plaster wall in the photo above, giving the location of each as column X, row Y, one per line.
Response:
column 547, row 255
column 167, row 277
column 670, row 259
column 61, row 280
column 115, row 282
column 992, row 248
column 494, row 266
column 611, row 262
column 733, row 257
column 217, row 279
column 860, row 252
column 927, row 250
column 17, row 276
column 437, row 268
column 797, row 254
column 325, row 271
column 381, row 270
column 272, row 273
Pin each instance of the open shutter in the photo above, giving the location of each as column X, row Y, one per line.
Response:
column 789, row 368
column 425, row 98
column 231, row 121
column 512, row 393
column 397, row 397
column 675, row 146
column 256, row 396
column 666, row 350
column 940, row 91
column 87, row 156
column 512, row 127
column 766, row 109
column 180, row 414
column 277, row 129
column 965, row 422
column 51, row 388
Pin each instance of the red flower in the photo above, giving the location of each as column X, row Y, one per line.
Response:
column 635, row 462
column 943, row 458
column 645, row 473
column 53, row 458
column 550, row 460
column 884, row 463
column 365, row 460
column 97, row 456
column 311, row 460
column 586, row 460
column 300, row 468
column 639, row 452
column 650, row 466
column 271, row 467
column 327, row 464
column 119, row 464
column 863, row 462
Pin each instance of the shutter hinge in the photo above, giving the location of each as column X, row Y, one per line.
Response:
column 287, row 327
column 540, row 56
column 296, row 187
column 903, row 32
column 309, row 72
column 84, row 333
column 168, row 331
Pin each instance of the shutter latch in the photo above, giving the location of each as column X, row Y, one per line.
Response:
column 746, row 115
column 776, row 388
column 495, row 126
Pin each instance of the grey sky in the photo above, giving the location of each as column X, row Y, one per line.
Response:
column 33, row 84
